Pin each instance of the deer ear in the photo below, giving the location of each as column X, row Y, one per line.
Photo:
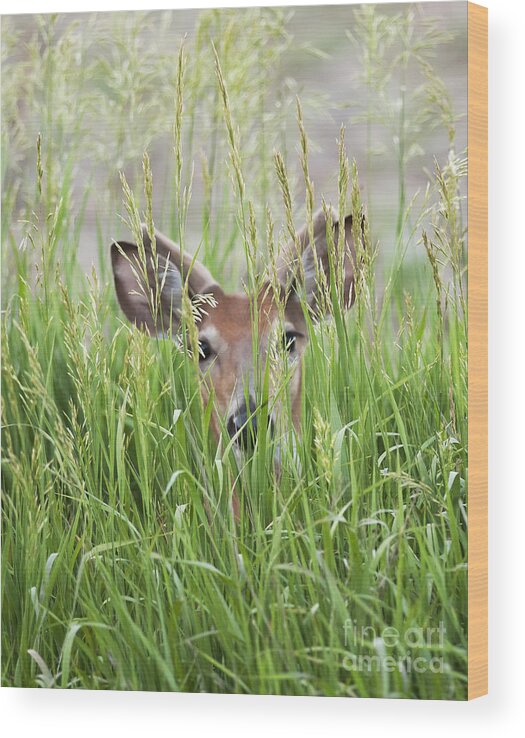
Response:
column 321, row 253
column 150, row 293
column 301, row 265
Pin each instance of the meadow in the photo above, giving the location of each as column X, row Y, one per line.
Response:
column 122, row 564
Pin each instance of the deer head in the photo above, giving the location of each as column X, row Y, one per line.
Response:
column 149, row 282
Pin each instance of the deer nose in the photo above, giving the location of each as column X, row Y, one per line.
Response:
column 243, row 425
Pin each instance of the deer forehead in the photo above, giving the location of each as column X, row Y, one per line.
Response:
column 228, row 325
column 228, row 321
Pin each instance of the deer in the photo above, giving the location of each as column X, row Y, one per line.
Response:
column 225, row 340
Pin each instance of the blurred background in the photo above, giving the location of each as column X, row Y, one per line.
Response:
column 85, row 95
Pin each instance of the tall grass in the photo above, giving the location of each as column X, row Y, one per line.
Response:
column 122, row 564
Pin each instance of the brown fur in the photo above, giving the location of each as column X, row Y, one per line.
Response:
column 233, row 347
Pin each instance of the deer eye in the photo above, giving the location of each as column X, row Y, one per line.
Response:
column 289, row 339
column 205, row 350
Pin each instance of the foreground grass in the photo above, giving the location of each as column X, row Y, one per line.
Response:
column 115, row 577
column 122, row 567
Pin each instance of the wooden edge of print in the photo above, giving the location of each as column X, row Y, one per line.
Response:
column 478, row 351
